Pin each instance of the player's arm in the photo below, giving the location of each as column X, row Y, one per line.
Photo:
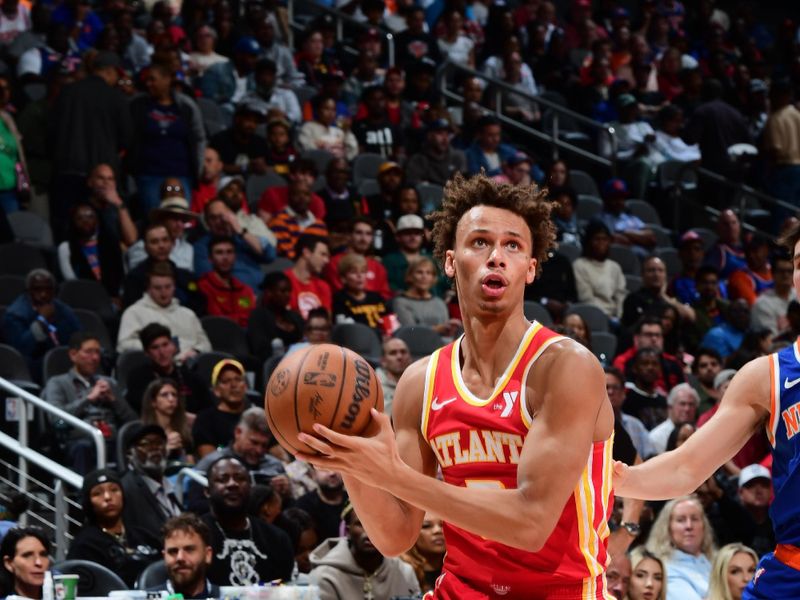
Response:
column 744, row 408
column 393, row 525
column 552, row 459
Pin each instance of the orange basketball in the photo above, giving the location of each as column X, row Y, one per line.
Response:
column 324, row 384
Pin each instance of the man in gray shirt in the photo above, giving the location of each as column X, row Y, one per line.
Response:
column 91, row 397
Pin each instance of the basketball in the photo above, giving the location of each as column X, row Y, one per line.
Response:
column 322, row 383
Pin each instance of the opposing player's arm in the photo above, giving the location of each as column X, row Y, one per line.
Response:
column 393, row 525
column 552, row 459
column 744, row 408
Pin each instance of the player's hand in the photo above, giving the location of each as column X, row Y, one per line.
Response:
column 371, row 459
column 620, row 476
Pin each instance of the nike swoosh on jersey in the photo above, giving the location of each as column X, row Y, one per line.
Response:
column 436, row 405
column 790, row 384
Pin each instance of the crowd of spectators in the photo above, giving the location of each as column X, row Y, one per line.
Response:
column 205, row 160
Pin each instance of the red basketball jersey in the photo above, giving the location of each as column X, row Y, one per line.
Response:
column 478, row 443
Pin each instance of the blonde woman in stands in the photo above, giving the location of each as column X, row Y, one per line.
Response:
column 164, row 405
column 733, row 568
column 682, row 538
column 417, row 305
column 648, row 576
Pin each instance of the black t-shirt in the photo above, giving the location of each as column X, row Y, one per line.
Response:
column 369, row 310
column 127, row 561
column 326, row 516
column 212, row 426
column 379, row 138
column 260, row 554
column 649, row 409
column 195, row 393
column 231, row 152
column 624, row 450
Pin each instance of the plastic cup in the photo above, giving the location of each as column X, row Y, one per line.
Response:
column 65, row 586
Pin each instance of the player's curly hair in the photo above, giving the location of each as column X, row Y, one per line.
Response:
column 461, row 194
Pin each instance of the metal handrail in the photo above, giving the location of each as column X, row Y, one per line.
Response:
column 341, row 18
column 499, row 86
column 40, row 460
column 188, row 473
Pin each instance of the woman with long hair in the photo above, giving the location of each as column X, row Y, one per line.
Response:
column 418, row 305
column 682, row 537
column 26, row 556
column 733, row 568
column 648, row 576
column 581, row 332
column 163, row 405
column 427, row 554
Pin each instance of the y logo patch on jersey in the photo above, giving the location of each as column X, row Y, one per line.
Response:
column 509, row 398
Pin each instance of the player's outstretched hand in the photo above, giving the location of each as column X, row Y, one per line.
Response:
column 371, row 459
column 620, row 476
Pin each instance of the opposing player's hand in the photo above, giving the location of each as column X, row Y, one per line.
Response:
column 620, row 475
column 369, row 458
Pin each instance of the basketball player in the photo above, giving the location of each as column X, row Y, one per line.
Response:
column 764, row 393
column 516, row 417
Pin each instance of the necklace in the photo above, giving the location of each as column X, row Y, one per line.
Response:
column 246, row 528
column 119, row 537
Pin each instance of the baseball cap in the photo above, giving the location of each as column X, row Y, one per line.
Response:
column 136, row 433
column 751, row 472
column 173, row 206
column 757, row 86
column 247, row 45
column 439, row 124
column 389, row 165
column 615, row 188
column 253, row 106
column 690, row 236
column 225, row 363
column 723, row 376
column 518, row 158
column 625, row 100
column 410, row 223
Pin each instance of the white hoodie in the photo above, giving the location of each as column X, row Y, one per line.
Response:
column 182, row 322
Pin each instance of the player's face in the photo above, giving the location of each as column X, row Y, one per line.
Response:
column 686, row 527
column 646, row 581
column 491, row 261
column 740, row 571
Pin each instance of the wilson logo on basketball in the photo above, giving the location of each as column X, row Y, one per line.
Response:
column 360, row 392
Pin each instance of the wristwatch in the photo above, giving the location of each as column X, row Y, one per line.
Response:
column 244, row 231
column 632, row 528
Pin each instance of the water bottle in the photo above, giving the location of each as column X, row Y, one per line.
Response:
column 277, row 346
column 378, row 240
column 47, row 586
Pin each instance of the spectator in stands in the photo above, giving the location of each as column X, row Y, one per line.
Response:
column 274, row 50
column 104, row 539
column 427, row 554
column 281, row 153
column 295, row 220
column 227, row 83
column 159, row 305
column 25, row 552
column 379, row 206
column 15, row 19
column 558, row 175
column 755, row 495
column 436, row 162
column 245, row 551
column 234, row 195
column 174, row 214
column 91, row 125
column 89, row 252
column 113, row 214
column 683, row 539
column 518, row 75
column 375, row 133
column 458, row 48
column 226, row 296
column 756, row 342
column 342, row 565
column 307, row 540
column 360, row 241
column 252, row 250
column 554, row 288
column 691, row 253
column 149, row 494
column 14, row 175
column 598, row 279
column 36, row 322
column 275, row 199
column 342, row 202
column 682, row 401
column 274, row 96
column 732, row 570
column 643, row 398
column 706, row 365
column 312, row 60
column 726, row 337
column 716, row 126
column 415, row 43
column 781, row 145
column 209, row 182
column 272, row 319
column 159, row 245
column 627, row 229
column 163, row 405
column 214, row 427
column 648, row 576
column 417, row 305
column 652, row 298
column 618, row 575
column 648, row 332
column 353, row 303
column 668, row 141
column 160, row 347
column 756, row 276
column 394, row 361
column 366, row 72
column 576, row 327
column 86, row 394
column 324, row 134
column 769, row 309
column 309, row 290
column 410, row 232
column 45, row 51
column 727, row 254
column 521, row 169
column 187, row 555
column 325, row 503
column 615, row 388
column 709, row 308
column 204, row 55
column 488, row 152
column 240, row 148
column 169, row 138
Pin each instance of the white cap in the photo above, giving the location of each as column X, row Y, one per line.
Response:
column 410, row 222
column 751, row 472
